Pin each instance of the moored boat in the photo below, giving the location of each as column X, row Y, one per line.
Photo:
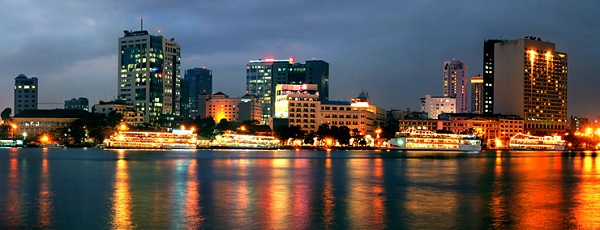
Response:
column 241, row 141
column 178, row 139
column 523, row 141
column 412, row 139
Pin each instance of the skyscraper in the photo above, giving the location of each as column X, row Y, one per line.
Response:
column 263, row 76
column 149, row 74
column 455, row 83
column 26, row 93
column 477, row 94
column 488, row 75
column 200, row 80
column 530, row 80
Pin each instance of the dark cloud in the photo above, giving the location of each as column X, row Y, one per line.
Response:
column 392, row 49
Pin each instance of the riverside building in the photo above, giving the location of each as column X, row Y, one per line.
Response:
column 530, row 81
column 149, row 75
column 263, row 76
column 455, row 83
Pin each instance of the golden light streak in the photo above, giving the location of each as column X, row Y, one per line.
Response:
column 122, row 201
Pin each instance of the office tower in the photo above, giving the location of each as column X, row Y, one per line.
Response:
column 149, row 75
column 80, row 103
column 185, row 98
column 263, row 76
column 477, row 94
column 26, row 93
column 455, row 83
column 488, row 75
column 200, row 80
column 530, row 81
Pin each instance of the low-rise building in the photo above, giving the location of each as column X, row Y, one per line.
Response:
column 130, row 115
column 220, row 106
column 36, row 122
column 79, row 103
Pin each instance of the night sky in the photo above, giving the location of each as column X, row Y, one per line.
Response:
column 393, row 50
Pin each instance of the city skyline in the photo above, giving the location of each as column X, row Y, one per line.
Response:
column 393, row 51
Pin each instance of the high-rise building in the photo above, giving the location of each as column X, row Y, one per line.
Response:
column 477, row 94
column 79, row 103
column 26, row 93
column 530, row 81
column 488, row 75
column 185, row 97
column 455, row 83
column 263, row 76
column 149, row 75
column 200, row 80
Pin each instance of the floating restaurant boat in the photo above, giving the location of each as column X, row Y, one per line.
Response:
column 242, row 141
column 12, row 142
column 413, row 139
column 523, row 141
column 178, row 139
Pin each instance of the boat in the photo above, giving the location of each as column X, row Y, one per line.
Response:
column 522, row 141
column 414, row 139
column 177, row 139
column 12, row 142
column 244, row 141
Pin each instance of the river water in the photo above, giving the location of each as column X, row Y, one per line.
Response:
column 288, row 189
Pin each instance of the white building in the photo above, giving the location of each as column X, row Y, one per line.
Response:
column 435, row 105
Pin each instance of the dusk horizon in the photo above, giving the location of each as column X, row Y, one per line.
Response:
column 393, row 51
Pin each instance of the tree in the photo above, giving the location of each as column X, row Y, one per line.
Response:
column 205, row 126
column 285, row 133
column 223, row 125
column 343, row 135
column 5, row 115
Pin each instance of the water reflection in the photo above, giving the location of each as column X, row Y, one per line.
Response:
column 122, row 199
column 193, row 213
column 15, row 213
column 300, row 190
column 588, row 194
column 45, row 195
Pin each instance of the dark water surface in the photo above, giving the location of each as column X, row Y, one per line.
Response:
column 287, row 189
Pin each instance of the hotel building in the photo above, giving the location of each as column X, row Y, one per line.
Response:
column 477, row 96
column 149, row 75
column 220, row 106
column 26, row 93
column 299, row 104
column 455, row 83
column 530, row 81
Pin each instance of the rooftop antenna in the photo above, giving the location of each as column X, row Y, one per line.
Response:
column 141, row 23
